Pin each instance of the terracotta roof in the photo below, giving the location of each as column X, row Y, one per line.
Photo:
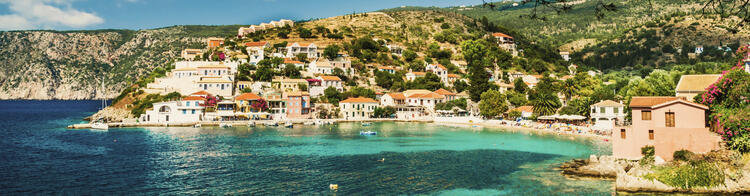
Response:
column 607, row 103
column 418, row 73
column 501, row 35
column 385, row 67
column 441, row 66
column 398, row 96
column 444, row 92
column 430, row 95
column 300, row 44
column 681, row 101
column 247, row 96
column 290, row 61
column 453, row 76
column 696, row 83
column 526, row 108
column 359, row 100
column 201, row 93
column 650, row 101
column 255, row 44
column 333, row 78
column 193, row 98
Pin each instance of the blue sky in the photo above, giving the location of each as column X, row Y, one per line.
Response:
column 147, row 14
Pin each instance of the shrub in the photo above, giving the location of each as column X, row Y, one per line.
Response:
column 648, row 155
column 690, row 175
column 682, row 155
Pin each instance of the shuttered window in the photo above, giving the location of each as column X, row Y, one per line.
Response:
column 622, row 133
column 669, row 119
column 651, row 134
column 645, row 115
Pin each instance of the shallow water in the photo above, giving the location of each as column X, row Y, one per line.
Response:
column 39, row 156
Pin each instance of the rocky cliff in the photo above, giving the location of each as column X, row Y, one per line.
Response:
column 75, row 64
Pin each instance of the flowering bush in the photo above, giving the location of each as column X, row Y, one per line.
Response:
column 729, row 102
column 260, row 105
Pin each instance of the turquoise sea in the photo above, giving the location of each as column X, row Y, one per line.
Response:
column 39, row 156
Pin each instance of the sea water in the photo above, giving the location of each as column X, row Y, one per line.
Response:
column 38, row 155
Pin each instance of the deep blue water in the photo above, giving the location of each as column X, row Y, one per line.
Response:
column 39, row 156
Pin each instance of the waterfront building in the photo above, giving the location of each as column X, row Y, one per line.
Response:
column 393, row 99
column 221, row 86
column 449, row 96
column 245, row 101
column 526, row 111
column 298, row 105
column 276, row 104
column 668, row 124
column 357, row 108
column 427, row 100
column 606, row 114
column 691, row 85
column 189, row 109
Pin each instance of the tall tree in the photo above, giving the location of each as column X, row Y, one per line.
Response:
column 546, row 104
column 331, row 52
column 476, row 55
column 493, row 104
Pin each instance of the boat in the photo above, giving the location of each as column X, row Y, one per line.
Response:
column 197, row 125
column 288, row 125
column 366, row 123
column 100, row 124
column 225, row 125
column 271, row 124
column 368, row 133
column 251, row 124
column 308, row 123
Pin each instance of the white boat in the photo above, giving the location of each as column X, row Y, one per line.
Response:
column 308, row 123
column 288, row 125
column 225, row 125
column 100, row 126
column 197, row 125
column 271, row 124
column 251, row 124
column 368, row 133
column 366, row 123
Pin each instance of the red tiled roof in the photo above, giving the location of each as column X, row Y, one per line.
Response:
column 247, row 96
column 418, row 73
column 650, row 101
column 526, row 108
column 201, row 93
column 359, row 100
column 501, row 35
column 385, row 67
column 430, row 95
column 398, row 96
column 444, row 92
column 255, row 44
column 331, row 78
column 453, row 76
column 441, row 66
column 290, row 61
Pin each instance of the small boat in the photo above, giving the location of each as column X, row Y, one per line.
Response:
column 273, row 124
column 225, row 125
column 100, row 126
column 366, row 123
column 368, row 133
column 251, row 124
column 308, row 123
column 288, row 125
column 197, row 125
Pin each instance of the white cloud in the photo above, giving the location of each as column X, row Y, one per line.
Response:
column 34, row 14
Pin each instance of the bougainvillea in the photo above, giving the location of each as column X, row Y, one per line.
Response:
column 260, row 105
column 729, row 102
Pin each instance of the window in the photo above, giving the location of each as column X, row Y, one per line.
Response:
column 184, row 111
column 192, row 111
column 187, row 103
column 617, row 110
column 669, row 119
column 650, row 134
column 622, row 133
column 645, row 115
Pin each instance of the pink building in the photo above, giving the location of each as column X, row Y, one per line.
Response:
column 298, row 105
column 668, row 124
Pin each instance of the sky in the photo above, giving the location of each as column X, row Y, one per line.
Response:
column 148, row 14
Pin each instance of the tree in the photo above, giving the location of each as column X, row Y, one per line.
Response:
column 475, row 53
column 302, row 57
column 516, row 99
column 520, row 86
column 302, row 87
column 515, row 114
column 332, row 95
column 384, row 112
column 246, row 90
column 546, row 104
column 493, row 104
column 291, row 71
column 305, row 33
column 460, row 86
column 581, row 106
column 264, row 73
column 331, row 52
column 409, row 55
column 568, row 88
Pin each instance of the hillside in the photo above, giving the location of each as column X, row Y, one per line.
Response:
column 73, row 64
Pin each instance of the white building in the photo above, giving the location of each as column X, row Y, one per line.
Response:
column 565, row 55
column 411, row 76
column 393, row 99
column 357, row 108
column 221, row 86
column 321, row 66
column 427, row 100
column 188, row 109
column 295, row 48
column 388, row 69
column 606, row 114
column 506, row 42
column 256, row 51
column 331, row 81
column 440, row 71
column 189, row 54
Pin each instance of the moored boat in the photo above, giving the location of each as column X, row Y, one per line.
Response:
column 368, row 133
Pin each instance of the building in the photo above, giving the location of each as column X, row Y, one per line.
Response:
column 440, row 71
column 357, row 108
column 276, row 104
column 565, row 55
column 214, row 70
column 245, row 101
column 606, row 114
column 331, row 81
column 343, row 63
column 395, row 49
column 321, row 66
column 452, row 78
column 503, row 87
column 388, row 69
column 449, row 96
column 256, row 51
column 506, row 42
column 427, row 100
column 393, row 99
column 187, row 72
column 691, row 85
column 411, row 76
column 189, row 109
column 213, row 42
column 668, row 124
column 288, row 84
column 310, row 49
column 285, row 22
column 296, row 63
column 526, row 111
column 189, row 54
column 298, row 105
column 220, row 86
column 243, row 85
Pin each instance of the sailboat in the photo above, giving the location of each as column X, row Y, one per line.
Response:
column 99, row 123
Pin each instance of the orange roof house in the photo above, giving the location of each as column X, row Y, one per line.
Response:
column 247, row 96
column 397, row 96
column 501, row 35
column 358, row 100
column 330, row 78
column 256, row 44
column 444, row 92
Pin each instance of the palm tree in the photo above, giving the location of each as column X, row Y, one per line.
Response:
column 568, row 88
column 546, row 104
